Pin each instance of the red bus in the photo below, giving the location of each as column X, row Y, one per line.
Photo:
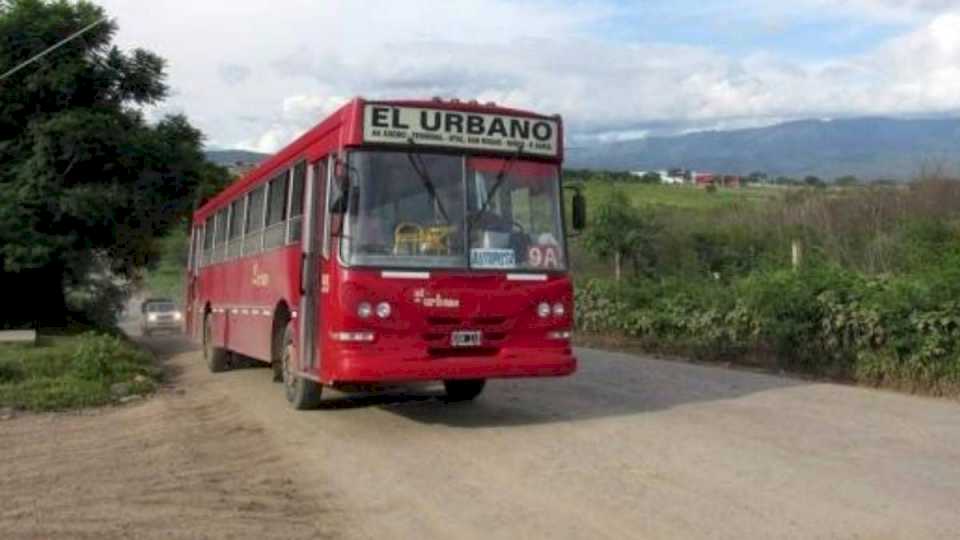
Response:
column 396, row 241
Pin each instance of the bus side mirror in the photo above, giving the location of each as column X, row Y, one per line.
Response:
column 579, row 211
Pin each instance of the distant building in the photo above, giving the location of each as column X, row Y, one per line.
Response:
column 667, row 176
column 699, row 178
column 704, row 179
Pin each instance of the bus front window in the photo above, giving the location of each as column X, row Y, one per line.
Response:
column 514, row 218
column 405, row 211
column 444, row 211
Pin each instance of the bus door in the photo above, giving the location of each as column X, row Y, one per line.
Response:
column 310, row 280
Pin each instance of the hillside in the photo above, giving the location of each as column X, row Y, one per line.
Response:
column 229, row 158
column 865, row 147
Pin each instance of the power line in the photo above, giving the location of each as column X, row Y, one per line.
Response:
column 63, row 42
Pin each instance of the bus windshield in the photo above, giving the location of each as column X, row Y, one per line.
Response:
column 446, row 211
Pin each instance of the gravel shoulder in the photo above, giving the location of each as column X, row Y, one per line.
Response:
column 182, row 464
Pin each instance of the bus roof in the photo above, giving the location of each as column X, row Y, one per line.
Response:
column 314, row 144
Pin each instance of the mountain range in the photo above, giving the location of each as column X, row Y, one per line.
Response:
column 233, row 158
column 869, row 148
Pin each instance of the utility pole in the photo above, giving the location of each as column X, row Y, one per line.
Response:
column 56, row 46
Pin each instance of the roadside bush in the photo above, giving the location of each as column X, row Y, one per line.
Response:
column 823, row 320
column 107, row 358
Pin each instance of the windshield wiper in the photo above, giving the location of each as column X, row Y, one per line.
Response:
column 501, row 176
column 421, row 169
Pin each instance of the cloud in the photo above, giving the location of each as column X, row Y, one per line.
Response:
column 234, row 74
column 858, row 12
column 894, row 7
column 254, row 76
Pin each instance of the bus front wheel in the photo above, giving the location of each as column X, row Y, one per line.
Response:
column 464, row 390
column 301, row 392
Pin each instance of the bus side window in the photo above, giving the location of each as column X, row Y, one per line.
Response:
column 205, row 257
column 254, row 226
column 295, row 221
column 235, row 232
column 220, row 246
column 275, row 233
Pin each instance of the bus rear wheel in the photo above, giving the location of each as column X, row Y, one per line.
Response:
column 465, row 390
column 218, row 359
column 302, row 393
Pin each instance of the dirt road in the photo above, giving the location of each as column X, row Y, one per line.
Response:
column 629, row 448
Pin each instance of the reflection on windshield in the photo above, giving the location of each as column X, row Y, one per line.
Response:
column 396, row 220
column 414, row 212
column 520, row 228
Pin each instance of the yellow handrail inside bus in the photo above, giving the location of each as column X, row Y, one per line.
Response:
column 435, row 240
column 412, row 239
column 406, row 239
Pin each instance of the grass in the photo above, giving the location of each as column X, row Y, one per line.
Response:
column 683, row 205
column 684, row 196
column 72, row 372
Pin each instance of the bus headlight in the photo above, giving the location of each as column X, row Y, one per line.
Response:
column 543, row 310
column 364, row 310
column 177, row 316
column 384, row 310
column 152, row 317
column 559, row 310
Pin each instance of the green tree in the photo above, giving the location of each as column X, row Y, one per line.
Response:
column 847, row 181
column 621, row 232
column 88, row 185
column 813, row 181
column 756, row 177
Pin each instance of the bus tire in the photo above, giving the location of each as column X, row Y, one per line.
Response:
column 464, row 390
column 303, row 394
column 218, row 359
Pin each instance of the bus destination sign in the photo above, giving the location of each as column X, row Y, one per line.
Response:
column 478, row 131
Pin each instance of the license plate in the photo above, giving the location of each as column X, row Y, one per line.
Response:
column 469, row 338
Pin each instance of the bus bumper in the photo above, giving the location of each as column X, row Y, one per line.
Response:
column 357, row 366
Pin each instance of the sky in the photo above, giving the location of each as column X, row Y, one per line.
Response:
column 254, row 74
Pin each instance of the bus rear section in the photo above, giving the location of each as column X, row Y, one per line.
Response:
column 428, row 252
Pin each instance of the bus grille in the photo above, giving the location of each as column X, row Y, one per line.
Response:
column 437, row 336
